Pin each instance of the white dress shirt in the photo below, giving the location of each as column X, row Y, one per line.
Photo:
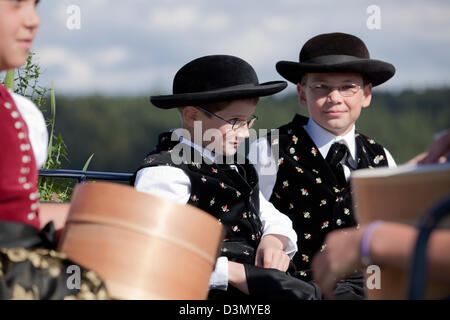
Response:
column 174, row 184
column 261, row 157
column 37, row 130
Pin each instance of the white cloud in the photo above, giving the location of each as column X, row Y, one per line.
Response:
column 181, row 18
column 74, row 71
column 111, row 56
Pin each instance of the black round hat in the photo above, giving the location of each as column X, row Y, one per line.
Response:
column 336, row 52
column 215, row 78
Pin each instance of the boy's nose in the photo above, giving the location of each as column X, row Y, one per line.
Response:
column 335, row 96
column 31, row 18
column 243, row 132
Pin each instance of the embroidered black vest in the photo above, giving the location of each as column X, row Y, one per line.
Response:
column 308, row 192
column 230, row 196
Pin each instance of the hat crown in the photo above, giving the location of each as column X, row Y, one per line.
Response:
column 212, row 73
column 334, row 44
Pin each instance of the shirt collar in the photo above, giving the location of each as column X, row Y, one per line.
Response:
column 205, row 152
column 323, row 139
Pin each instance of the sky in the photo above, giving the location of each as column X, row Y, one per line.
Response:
column 135, row 47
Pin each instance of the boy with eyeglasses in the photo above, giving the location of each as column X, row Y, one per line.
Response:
column 217, row 96
column 309, row 179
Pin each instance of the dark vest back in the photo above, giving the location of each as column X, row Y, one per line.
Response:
column 230, row 196
column 308, row 192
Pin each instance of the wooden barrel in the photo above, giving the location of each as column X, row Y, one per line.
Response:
column 143, row 246
column 400, row 195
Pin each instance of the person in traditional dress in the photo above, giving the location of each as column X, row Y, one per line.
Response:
column 30, row 267
column 304, row 166
column 199, row 164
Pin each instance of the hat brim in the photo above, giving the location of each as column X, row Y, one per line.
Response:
column 376, row 71
column 225, row 94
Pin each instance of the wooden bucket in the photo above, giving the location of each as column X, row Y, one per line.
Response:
column 400, row 195
column 144, row 247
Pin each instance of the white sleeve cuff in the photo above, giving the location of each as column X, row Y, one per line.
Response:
column 219, row 277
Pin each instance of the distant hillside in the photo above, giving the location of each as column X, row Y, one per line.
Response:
column 120, row 131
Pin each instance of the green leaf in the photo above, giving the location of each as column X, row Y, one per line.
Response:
column 53, row 115
column 86, row 165
column 9, row 80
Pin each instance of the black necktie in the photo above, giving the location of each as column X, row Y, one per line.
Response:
column 336, row 157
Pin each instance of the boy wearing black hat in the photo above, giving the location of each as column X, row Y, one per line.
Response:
column 308, row 179
column 219, row 94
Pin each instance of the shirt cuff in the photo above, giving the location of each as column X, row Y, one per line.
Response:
column 291, row 246
column 219, row 277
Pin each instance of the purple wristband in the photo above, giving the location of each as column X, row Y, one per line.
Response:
column 365, row 242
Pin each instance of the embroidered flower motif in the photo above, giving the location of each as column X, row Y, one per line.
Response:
column 306, row 215
column 225, row 208
column 150, row 160
column 277, row 195
column 222, row 185
column 214, row 170
column 303, row 273
column 196, row 164
column 275, row 141
column 307, row 236
column 291, row 206
column 294, row 139
column 194, row 198
column 280, row 161
column 325, row 225
column 212, row 202
column 359, row 160
column 336, row 190
column 299, row 170
column 314, row 151
column 378, row 158
column 246, row 253
column 323, row 202
column 305, row 258
column 318, row 180
column 371, row 141
column 304, row 192
column 295, row 158
column 235, row 229
column 322, row 248
column 346, row 211
column 203, row 179
column 245, row 215
column 238, row 194
column 315, row 171
column 339, row 199
column 285, row 184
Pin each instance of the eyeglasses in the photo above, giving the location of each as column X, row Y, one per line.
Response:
column 235, row 123
column 346, row 90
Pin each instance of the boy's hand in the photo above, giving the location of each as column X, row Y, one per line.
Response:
column 270, row 253
column 237, row 277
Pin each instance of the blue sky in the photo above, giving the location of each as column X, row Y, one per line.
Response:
column 136, row 46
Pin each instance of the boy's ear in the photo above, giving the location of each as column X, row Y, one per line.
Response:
column 301, row 95
column 190, row 114
column 367, row 95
